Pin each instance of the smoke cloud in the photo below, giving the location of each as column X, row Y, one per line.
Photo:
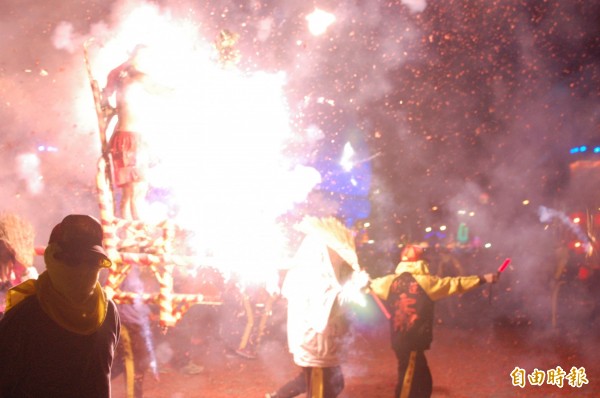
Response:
column 470, row 106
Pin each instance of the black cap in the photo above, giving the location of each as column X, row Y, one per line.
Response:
column 78, row 236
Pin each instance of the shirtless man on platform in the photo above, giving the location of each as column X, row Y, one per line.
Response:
column 130, row 85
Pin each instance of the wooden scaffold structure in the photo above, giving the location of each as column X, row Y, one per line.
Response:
column 134, row 243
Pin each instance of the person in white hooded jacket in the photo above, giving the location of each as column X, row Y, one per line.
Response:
column 316, row 325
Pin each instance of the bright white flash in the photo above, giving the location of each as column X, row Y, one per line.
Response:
column 415, row 5
column 28, row 170
column 216, row 138
column 347, row 155
column 352, row 290
column 319, row 21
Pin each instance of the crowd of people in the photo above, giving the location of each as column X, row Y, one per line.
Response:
column 87, row 338
column 105, row 339
column 61, row 336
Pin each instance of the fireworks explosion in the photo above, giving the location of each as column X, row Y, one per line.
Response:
column 423, row 121
column 403, row 112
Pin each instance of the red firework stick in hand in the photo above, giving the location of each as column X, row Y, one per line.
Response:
column 504, row 265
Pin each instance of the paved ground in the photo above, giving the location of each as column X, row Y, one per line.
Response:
column 467, row 360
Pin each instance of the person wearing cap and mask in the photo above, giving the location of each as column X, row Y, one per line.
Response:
column 59, row 333
column 316, row 326
column 409, row 295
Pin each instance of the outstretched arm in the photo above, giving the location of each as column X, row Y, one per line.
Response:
column 438, row 288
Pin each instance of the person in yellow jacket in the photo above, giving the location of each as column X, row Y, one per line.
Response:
column 59, row 333
column 409, row 295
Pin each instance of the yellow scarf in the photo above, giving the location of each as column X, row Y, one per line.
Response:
column 78, row 317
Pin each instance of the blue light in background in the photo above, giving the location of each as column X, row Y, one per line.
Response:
column 582, row 149
column 346, row 175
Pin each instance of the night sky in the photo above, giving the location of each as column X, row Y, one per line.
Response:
column 458, row 104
